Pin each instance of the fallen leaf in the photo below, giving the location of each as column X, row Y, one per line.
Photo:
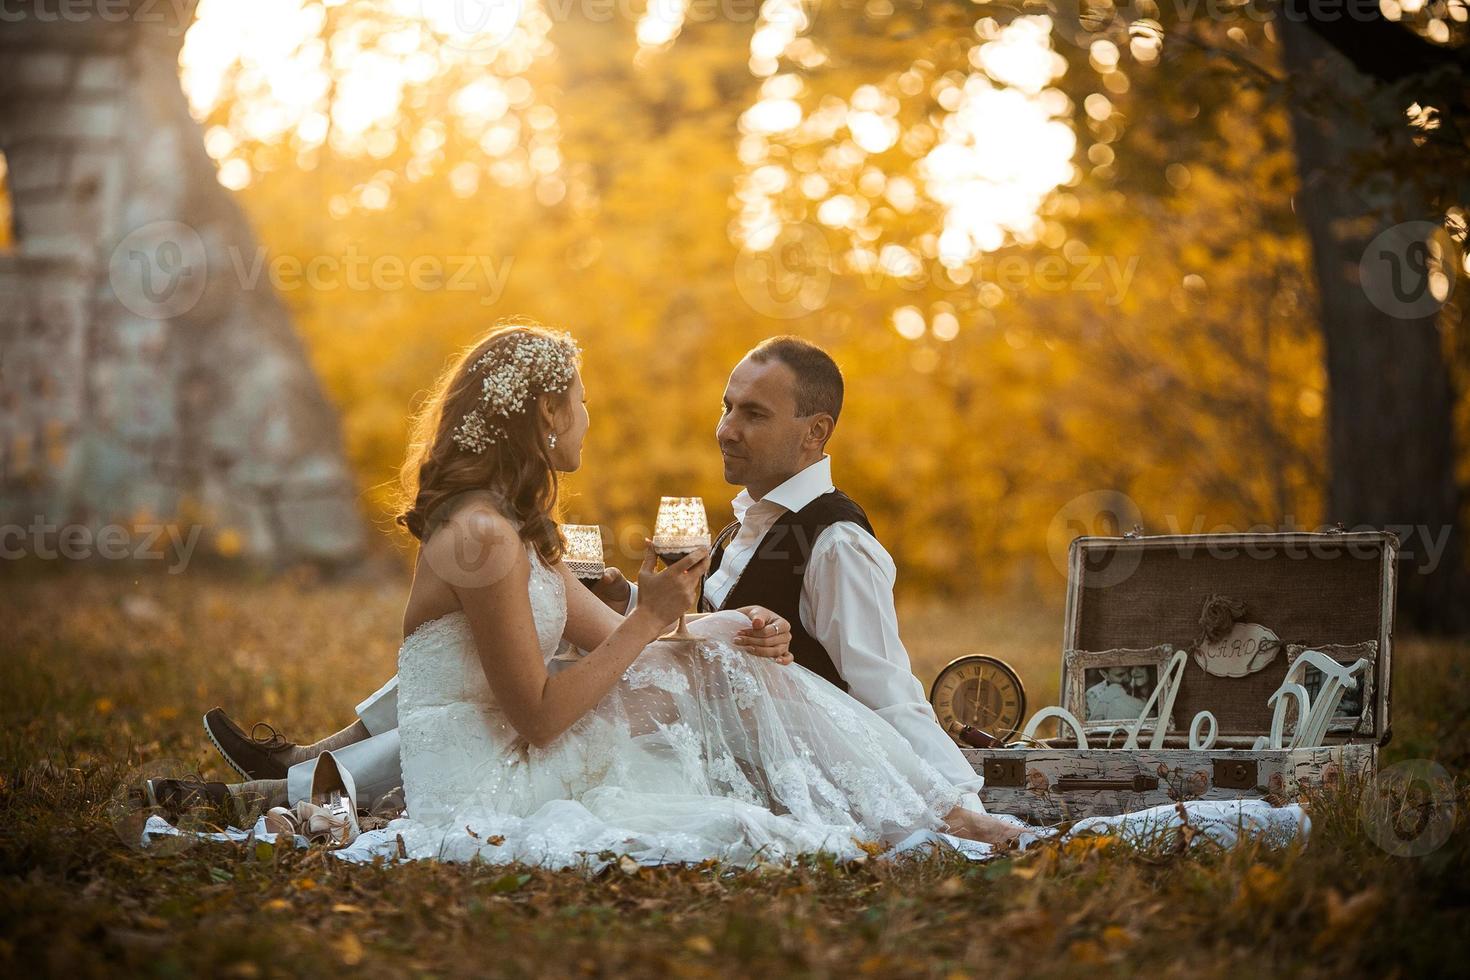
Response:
column 349, row 948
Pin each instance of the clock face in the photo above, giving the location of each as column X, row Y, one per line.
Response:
column 979, row 691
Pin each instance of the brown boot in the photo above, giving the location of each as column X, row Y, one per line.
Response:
column 254, row 756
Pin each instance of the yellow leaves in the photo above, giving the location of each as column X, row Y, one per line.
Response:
column 1087, row 951
column 1109, row 944
column 228, row 542
column 305, row 884
column 103, row 706
column 1084, row 846
column 349, row 949
column 348, row 909
column 1348, row 918
column 1261, row 886
column 1262, row 881
column 871, row 848
column 700, row 944
column 276, row 905
column 1345, row 913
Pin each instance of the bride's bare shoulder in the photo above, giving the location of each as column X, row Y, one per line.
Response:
column 475, row 545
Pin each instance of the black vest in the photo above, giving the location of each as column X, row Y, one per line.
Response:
column 773, row 577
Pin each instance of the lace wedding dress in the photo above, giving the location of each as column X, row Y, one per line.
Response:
column 697, row 753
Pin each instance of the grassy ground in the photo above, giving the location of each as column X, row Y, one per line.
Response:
column 102, row 674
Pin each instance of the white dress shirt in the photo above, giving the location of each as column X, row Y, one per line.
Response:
column 847, row 606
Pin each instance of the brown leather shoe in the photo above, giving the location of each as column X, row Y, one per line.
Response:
column 176, row 797
column 254, row 756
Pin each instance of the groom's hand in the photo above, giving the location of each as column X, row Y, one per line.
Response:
column 614, row 590
column 767, row 636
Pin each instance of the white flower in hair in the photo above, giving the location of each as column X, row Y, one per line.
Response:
column 516, row 372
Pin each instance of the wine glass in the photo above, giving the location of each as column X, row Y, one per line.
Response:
column 680, row 527
column 584, row 552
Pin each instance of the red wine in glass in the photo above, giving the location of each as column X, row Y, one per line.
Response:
column 680, row 527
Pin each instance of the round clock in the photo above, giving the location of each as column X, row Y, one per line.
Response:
column 980, row 691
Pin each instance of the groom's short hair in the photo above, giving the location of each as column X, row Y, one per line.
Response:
column 818, row 379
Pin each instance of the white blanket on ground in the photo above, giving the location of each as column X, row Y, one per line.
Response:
column 1220, row 822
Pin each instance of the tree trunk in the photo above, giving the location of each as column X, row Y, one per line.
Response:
column 1391, row 431
column 151, row 373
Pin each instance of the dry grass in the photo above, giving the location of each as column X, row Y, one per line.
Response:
column 102, row 673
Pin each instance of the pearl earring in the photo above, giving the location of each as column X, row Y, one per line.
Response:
column 551, row 440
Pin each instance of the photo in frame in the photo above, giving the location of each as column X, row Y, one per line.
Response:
column 1354, row 715
column 1109, row 688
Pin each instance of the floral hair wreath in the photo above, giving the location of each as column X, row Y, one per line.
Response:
column 515, row 373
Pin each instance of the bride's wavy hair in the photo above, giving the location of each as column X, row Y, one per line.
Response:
column 516, row 468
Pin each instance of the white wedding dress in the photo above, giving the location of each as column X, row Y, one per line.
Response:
column 697, row 753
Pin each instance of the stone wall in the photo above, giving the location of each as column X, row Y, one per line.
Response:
column 139, row 375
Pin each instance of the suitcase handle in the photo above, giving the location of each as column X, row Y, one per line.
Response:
column 1138, row 784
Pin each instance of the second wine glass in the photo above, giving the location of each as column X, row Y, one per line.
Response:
column 680, row 527
column 584, row 552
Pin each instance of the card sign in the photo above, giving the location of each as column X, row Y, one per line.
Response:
column 1247, row 648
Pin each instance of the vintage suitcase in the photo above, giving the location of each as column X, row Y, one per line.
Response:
column 1130, row 597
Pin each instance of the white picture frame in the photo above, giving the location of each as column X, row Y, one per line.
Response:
column 1354, row 715
column 1107, row 689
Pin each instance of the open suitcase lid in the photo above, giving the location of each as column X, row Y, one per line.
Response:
column 1332, row 588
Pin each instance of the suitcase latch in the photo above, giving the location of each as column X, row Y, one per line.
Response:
column 1138, row 784
column 1005, row 772
column 1236, row 774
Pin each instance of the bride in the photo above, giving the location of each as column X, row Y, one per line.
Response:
column 659, row 750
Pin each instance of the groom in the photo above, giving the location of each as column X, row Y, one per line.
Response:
column 798, row 546
column 806, row 551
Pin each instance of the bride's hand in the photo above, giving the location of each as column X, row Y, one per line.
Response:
column 669, row 593
column 767, row 636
